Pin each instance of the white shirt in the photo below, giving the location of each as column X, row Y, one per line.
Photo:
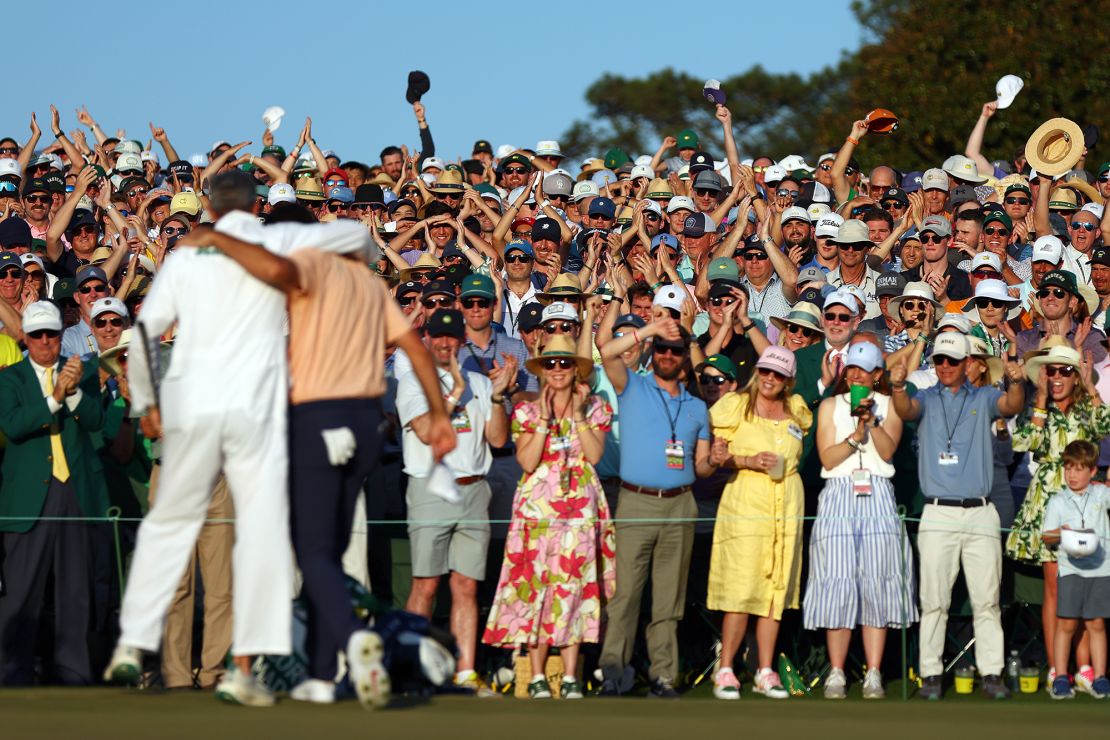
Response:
column 51, row 402
column 510, row 309
column 871, row 303
column 471, row 455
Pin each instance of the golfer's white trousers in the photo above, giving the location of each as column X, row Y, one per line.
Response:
column 252, row 453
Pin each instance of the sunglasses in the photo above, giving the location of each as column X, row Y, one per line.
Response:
column 515, row 170
column 93, row 289
column 551, row 363
column 518, row 258
column 40, row 334
column 839, row 318
column 849, row 171
column 805, row 331
column 755, row 256
column 336, row 207
column 989, row 303
column 557, row 196
column 712, row 379
column 477, row 303
column 11, row 272
column 891, row 205
column 9, row 150
column 939, row 360
column 1104, row 177
column 931, row 238
column 1017, row 201
column 101, row 323
column 559, row 327
column 758, row 168
column 1064, row 371
column 1085, row 225
column 986, row 273
column 335, row 183
column 7, row 187
column 406, row 301
column 825, row 167
column 135, row 191
column 787, row 193
column 854, row 247
column 1058, row 293
column 915, row 305
column 174, row 230
column 651, row 216
column 38, row 198
column 766, row 372
column 722, row 300
column 704, row 192
column 438, row 302
column 83, row 230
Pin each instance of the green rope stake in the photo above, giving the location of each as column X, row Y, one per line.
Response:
column 113, row 516
column 902, row 558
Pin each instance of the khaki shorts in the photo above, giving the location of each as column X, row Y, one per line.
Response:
column 448, row 537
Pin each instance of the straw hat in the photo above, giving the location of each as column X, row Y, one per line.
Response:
column 449, row 182
column 564, row 284
column 802, row 314
column 1055, row 147
column 916, row 290
column 309, row 188
column 1052, row 340
column 560, row 345
column 110, row 358
column 979, row 349
column 1086, row 188
column 424, row 262
column 1063, row 355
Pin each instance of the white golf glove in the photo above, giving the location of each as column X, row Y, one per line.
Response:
column 340, row 444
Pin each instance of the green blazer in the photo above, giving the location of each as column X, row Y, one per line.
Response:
column 25, row 420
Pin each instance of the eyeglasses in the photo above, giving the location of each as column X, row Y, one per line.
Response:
column 83, row 229
column 651, row 216
column 93, row 288
column 1011, row 201
column 438, row 302
column 38, row 198
column 407, row 192
column 135, row 191
column 559, row 327
column 915, row 305
column 1085, row 225
column 825, row 167
column 891, row 205
column 518, row 258
column 712, row 379
column 1058, row 293
column 805, row 331
column 1064, row 371
column 11, row 272
column 939, row 360
column 930, row 238
column 173, row 230
column 985, row 273
column 766, row 372
column 786, row 193
column 40, row 334
column 477, row 303
column 837, row 318
column 522, row 234
column 1001, row 231
column 336, row 207
column 722, row 300
column 550, row 363
column 854, row 247
column 989, row 303
column 515, row 170
column 755, row 256
column 100, row 323
column 406, row 301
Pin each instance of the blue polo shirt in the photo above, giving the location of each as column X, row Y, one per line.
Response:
column 966, row 417
column 647, row 414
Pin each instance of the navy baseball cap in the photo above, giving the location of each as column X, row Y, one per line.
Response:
column 603, row 207
column 629, row 319
column 530, row 316
column 446, row 322
column 548, row 228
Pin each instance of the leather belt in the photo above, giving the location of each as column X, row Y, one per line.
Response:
column 468, row 480
column 962, row 503
column 657, row 492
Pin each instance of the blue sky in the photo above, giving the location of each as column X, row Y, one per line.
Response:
column 506, row 71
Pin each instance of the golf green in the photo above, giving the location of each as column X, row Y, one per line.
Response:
column 125, row 714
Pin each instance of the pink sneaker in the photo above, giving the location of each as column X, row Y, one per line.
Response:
column 726, row 685
column 768, row 683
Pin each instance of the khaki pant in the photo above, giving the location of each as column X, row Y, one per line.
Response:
column 951, row 538
column 213, row 553
column 662, row 549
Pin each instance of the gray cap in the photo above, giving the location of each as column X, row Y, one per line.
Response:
column 937, row 224
column 709, row 180
column 811, row 274
column 890, row 283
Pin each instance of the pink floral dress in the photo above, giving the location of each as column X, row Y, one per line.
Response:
column 560, row 556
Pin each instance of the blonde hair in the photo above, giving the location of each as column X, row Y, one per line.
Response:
column 751, row 393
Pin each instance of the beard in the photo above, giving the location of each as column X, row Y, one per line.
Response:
column 668, row 373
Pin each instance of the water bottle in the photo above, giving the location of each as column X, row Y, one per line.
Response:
column 1013, row 671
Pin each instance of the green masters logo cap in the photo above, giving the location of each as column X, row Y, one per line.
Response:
column 614, row 158
column 723, row 365
column 723, row 268
column 687, row 139
column 480, row 286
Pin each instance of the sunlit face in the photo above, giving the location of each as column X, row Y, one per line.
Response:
column 877, row 230
column 1100, row 279
column 43, row 346
column 443, row 348
column 858, row 376
column 642, row 306
column 838, row 323
column 1061, row 381
column 770, row 384
column 1083, row 230
column 1017, row 204
column 1056, row 302
column 667, row 361
column 107, row 328
column 477, row 312
column 89, row 293
column 950, row 374
column 796, row 336
column 757, row 265
column 392, row 165
column 714, row 384
column 826, row 248
column 912, row 254
column 558, row 373
column 1078, row 477
column 935, row 200
column 935, row 245
column 795, row 231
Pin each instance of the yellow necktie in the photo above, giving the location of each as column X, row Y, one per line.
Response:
column 61, row 468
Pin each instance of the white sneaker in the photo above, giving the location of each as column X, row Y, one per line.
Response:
column 836, row 685
column 1083, row 682
column 436, row 662
column 314, row 690
column 873, row 685
column 244, row 689
column 125, row 667
column 725, row 685
column 365, row 669
column 768, row 683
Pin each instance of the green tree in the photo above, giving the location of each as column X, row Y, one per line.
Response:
column 933, row 62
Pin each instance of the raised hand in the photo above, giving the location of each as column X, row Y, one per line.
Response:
column 989, row 109
column 158, row 133
column 84, row 118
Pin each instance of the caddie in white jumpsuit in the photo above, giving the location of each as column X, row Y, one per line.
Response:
column 223, row 407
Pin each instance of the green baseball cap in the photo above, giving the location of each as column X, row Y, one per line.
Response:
column 723, row 268
column 687, row 139
column 1104, row 167
column 274, row 149
column 1001, row 217
column 38, row 246
column 64, row 289
column 1017, row 186
column 480, row 286
column 614, row 158
column 721, row 364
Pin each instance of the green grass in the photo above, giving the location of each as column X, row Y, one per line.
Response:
column 122, row 714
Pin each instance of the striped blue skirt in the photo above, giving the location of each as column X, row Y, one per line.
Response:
column 860, row 561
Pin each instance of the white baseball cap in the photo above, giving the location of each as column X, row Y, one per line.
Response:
column 10, row 168
column 842, row 297
column 108, row 305
column 986, row 259
column 654, row 207
column 1048, row 249
column 31, row 257
column 1096, row 209
column 1006, row 89
column 829, row 225
column 431, row 162
column 548, row 149
column 794, row 213
column 950, row 345
column 793, row 162
column 129, row 161
column 282, row 192
column 934, row 179
column 670, row 296
column 955, row 320
column 127, row 146
column 817, row 211
column 643, row 171
column 774, row 173
column 963, row 168
column 584, row 189
column 865, row 356
column 148, row 156
column 41, row 315
column 560, row 311
column 680, row 202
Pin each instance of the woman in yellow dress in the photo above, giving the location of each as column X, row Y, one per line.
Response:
column 756, row 563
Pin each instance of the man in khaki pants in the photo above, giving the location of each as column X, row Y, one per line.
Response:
column 213, row 553
column 960, row 526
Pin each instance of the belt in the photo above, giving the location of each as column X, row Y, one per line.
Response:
column 468, row 480
column 502, row 451
column 657, row 492
column 963, row 503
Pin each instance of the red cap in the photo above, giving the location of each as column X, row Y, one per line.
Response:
column 336, row 173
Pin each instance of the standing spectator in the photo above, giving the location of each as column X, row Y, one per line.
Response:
column 559, row 565
column 959, row 524
column 861, row 565
column 50, row 410
column 92, row 285
column 760, row 429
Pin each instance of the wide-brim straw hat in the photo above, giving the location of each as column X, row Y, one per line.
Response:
column 917, row 290
column 565, row 284
column 979, row 350
column 802, row 314
column 1060, row 355
column 424, row 262
column 1055, row 147
column 560, row 346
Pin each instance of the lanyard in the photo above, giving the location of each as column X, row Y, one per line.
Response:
column 673, row 423
column 950, row 430
column 482, row 365
column 1083, row 511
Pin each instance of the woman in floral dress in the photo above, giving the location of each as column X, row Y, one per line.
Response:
column 1066, row 408
column 559, row 566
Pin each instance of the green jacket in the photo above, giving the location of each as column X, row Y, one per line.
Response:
column 25, row 420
